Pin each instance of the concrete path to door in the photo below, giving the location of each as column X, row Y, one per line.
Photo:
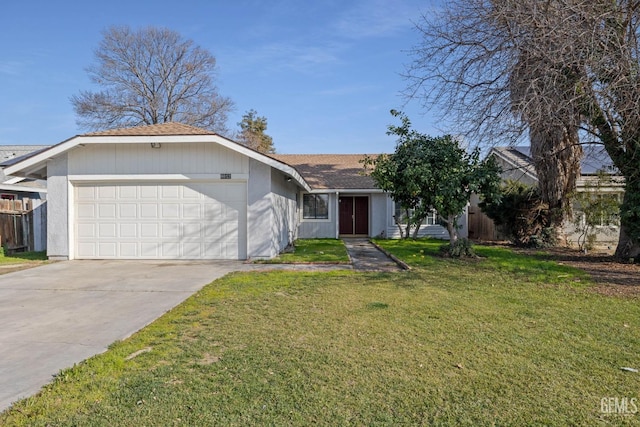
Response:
column 367, row 257
column 59, row 314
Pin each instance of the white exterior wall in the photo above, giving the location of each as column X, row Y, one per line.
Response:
column 378, row 214
column 272, row 213
column 285, row 213
column 58, row 208
column 259, row 211
column 319, row 228
column 189, row 159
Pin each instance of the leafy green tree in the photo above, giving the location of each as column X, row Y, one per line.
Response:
column 426, row 173
column 252, row 133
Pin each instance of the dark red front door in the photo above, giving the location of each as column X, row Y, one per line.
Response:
column 353, row 215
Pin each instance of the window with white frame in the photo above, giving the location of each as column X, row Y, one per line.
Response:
column 315, row 206
column 400, row 215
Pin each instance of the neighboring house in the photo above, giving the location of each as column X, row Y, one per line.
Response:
column 18, row 188
column 517, row 165
column 172, row 191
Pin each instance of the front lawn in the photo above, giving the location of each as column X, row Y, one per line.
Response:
column 318, row 251
column 449, row 343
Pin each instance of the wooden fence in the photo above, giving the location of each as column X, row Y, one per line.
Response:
column 481, row 227
column 22, row 225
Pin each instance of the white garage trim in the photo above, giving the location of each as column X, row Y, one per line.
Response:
column 160, row 220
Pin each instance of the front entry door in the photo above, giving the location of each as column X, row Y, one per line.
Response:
column 354, row 215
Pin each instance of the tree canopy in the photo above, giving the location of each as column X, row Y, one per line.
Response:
column 431, row 173
column 252, row 133
column 149, row 76
column 566, row 71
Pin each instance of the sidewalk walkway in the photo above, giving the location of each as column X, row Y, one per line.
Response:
column 366, row 257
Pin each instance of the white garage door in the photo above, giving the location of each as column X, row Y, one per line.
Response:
column 161, row 221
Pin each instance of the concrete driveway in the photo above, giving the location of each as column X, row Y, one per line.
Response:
column 59, row 314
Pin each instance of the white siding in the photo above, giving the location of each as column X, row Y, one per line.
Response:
column 58, row 208
column 259, row 211
column 319, row 228
column 378, row 214
column 139, row 159
column 285, row 218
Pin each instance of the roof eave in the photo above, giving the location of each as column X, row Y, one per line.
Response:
column 37, row 162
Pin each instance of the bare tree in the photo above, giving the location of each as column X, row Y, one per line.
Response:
column 554, row 68
column 151, row 76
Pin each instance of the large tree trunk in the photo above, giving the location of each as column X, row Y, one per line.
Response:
column 553, row 129
column 556, row 154
column 629, row 240
column 627, row 248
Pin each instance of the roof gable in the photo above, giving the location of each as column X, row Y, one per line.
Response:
column 166, row 133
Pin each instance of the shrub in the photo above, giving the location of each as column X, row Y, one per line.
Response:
column 521, row 215
column 461, row 248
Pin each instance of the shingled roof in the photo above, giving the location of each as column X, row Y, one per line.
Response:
column 161, row 129
column 330, row 171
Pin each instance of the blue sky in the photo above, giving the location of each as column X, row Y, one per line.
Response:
column 324, row 73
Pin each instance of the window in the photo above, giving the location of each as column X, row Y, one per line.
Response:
column 7, row 196
column 315, row 206
column 401, row 216
column 603, row 210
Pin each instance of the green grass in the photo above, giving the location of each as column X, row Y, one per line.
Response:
column 321, row 251
column 424, row 253
column 448, row 343
column 22, row 257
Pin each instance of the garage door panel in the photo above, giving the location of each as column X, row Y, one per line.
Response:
column 148, row 211
column 128, row 230
column 107, row 210
column 128, row 210
column 149, row 230
column 86, row 250
column 128, row 250
column 148, row 192
column 170, row 230
column 128, row 192
column 107, row 249
column 106, row 229
column 107, row 192
column 149, row 249
column 161, row 221
column 86, row 230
